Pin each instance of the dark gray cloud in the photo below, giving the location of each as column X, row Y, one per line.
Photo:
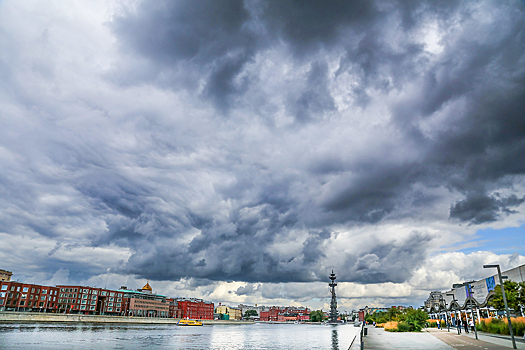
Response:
column 342, row 116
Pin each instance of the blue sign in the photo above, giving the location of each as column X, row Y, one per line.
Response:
column 491, row 284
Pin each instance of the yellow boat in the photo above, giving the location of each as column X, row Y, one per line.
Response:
column 189, row 323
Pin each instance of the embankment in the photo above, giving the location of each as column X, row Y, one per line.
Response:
column 36, row 317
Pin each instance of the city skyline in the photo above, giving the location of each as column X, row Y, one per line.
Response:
column 239, row 151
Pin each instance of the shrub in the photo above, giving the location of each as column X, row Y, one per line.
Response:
column 432, row 323
column 403, row 326
column 390, row 326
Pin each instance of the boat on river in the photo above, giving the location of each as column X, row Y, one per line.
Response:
column 189, row 323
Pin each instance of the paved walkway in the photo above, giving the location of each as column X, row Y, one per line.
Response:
column 378, row 338
column 433, row 338
column 485, row 340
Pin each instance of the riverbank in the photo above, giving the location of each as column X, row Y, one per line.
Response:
column 34, row 317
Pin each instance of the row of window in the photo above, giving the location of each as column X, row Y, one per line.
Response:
column 24, row 296
column 35, row 303
column 26, row 289
column 88, row 291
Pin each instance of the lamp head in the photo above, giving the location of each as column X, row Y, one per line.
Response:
column 490, row 266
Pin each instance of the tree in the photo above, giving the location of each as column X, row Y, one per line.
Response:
column 416, row 319
column 250, row 313
column 514, row 293
column 317, row 316
column 393, row 313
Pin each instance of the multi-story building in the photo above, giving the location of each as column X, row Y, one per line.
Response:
column 143, row 302
column 195, row 308
column 5, row 275
column 232, row 312
column 174, row 311
column 90, row 300
column 258, row 309
column 281, row 314
column 18, row 296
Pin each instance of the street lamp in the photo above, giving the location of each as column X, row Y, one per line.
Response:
column 446, row 315
column 454, row 301
column 472, row 307
column 504, row 301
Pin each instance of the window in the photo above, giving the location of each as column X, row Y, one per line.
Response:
column 37, row 290
column 54, row 298
column 118, row 304
column 119, row 299
column 18, row 289
column 24, row 296
column 3, row 294
column 95, row 292
column 10, row 295
column 92, row 308
column 42, row 297
column 12, row 288
column 44, row 291
column 70, row 295
column 84, row 302
column 120, row 295
column 22, row 303
column 93, row 302
column 117, row 310
column 93, row 297
column 110, row 304
column 62, row 289
column 110, row 309
column 84, row 291
column 25, row 289
column 111, row 299
column 84, row 296
column 103, row 293
column 4, row 287
column 111, row 294
column 32, row 290
column 41, row 304
column 76, row 290
column 1, row 301
column 82, row 307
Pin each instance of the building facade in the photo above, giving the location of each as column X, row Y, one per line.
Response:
column 90, row 300
column 282, row 314
column 18, row 296
column 198, row 309
column 234, row 313
column 144, row 303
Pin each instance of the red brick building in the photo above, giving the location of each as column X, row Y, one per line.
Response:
column 195, row 309
column 90, row 300
column 282, row 314
column 18, row 296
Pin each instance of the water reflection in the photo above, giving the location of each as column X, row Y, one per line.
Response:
column 335, row 339
column 171, row 337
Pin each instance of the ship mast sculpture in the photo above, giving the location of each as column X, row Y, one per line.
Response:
column 333, row 303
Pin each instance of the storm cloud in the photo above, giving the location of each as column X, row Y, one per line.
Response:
column 258, row 141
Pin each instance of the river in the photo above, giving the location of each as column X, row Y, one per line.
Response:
column 96, row 336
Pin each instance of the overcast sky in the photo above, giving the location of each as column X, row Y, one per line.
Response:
column 238, row 151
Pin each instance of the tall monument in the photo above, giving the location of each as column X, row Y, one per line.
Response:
column 333, row 304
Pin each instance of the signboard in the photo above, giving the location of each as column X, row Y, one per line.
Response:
column 491, row 284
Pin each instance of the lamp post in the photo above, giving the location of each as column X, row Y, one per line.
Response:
column 472, row 308
column 446, row 315
column 454, row 301
column 504, row 301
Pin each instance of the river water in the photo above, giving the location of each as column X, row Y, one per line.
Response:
column 252, row 336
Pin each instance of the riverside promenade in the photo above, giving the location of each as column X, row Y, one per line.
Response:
column 38, row 317
column 432, row 338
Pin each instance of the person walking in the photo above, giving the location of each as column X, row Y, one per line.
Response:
column 472, row 325
column 465, row 325
column 458, row 324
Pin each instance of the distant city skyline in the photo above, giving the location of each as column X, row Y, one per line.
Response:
column 239, row 151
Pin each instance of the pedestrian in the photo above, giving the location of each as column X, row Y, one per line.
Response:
column 465, row 325
column 472, row 325
column 457, row 320
column 438, row 324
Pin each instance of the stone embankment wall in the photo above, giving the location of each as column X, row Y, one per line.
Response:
column 21, row 317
